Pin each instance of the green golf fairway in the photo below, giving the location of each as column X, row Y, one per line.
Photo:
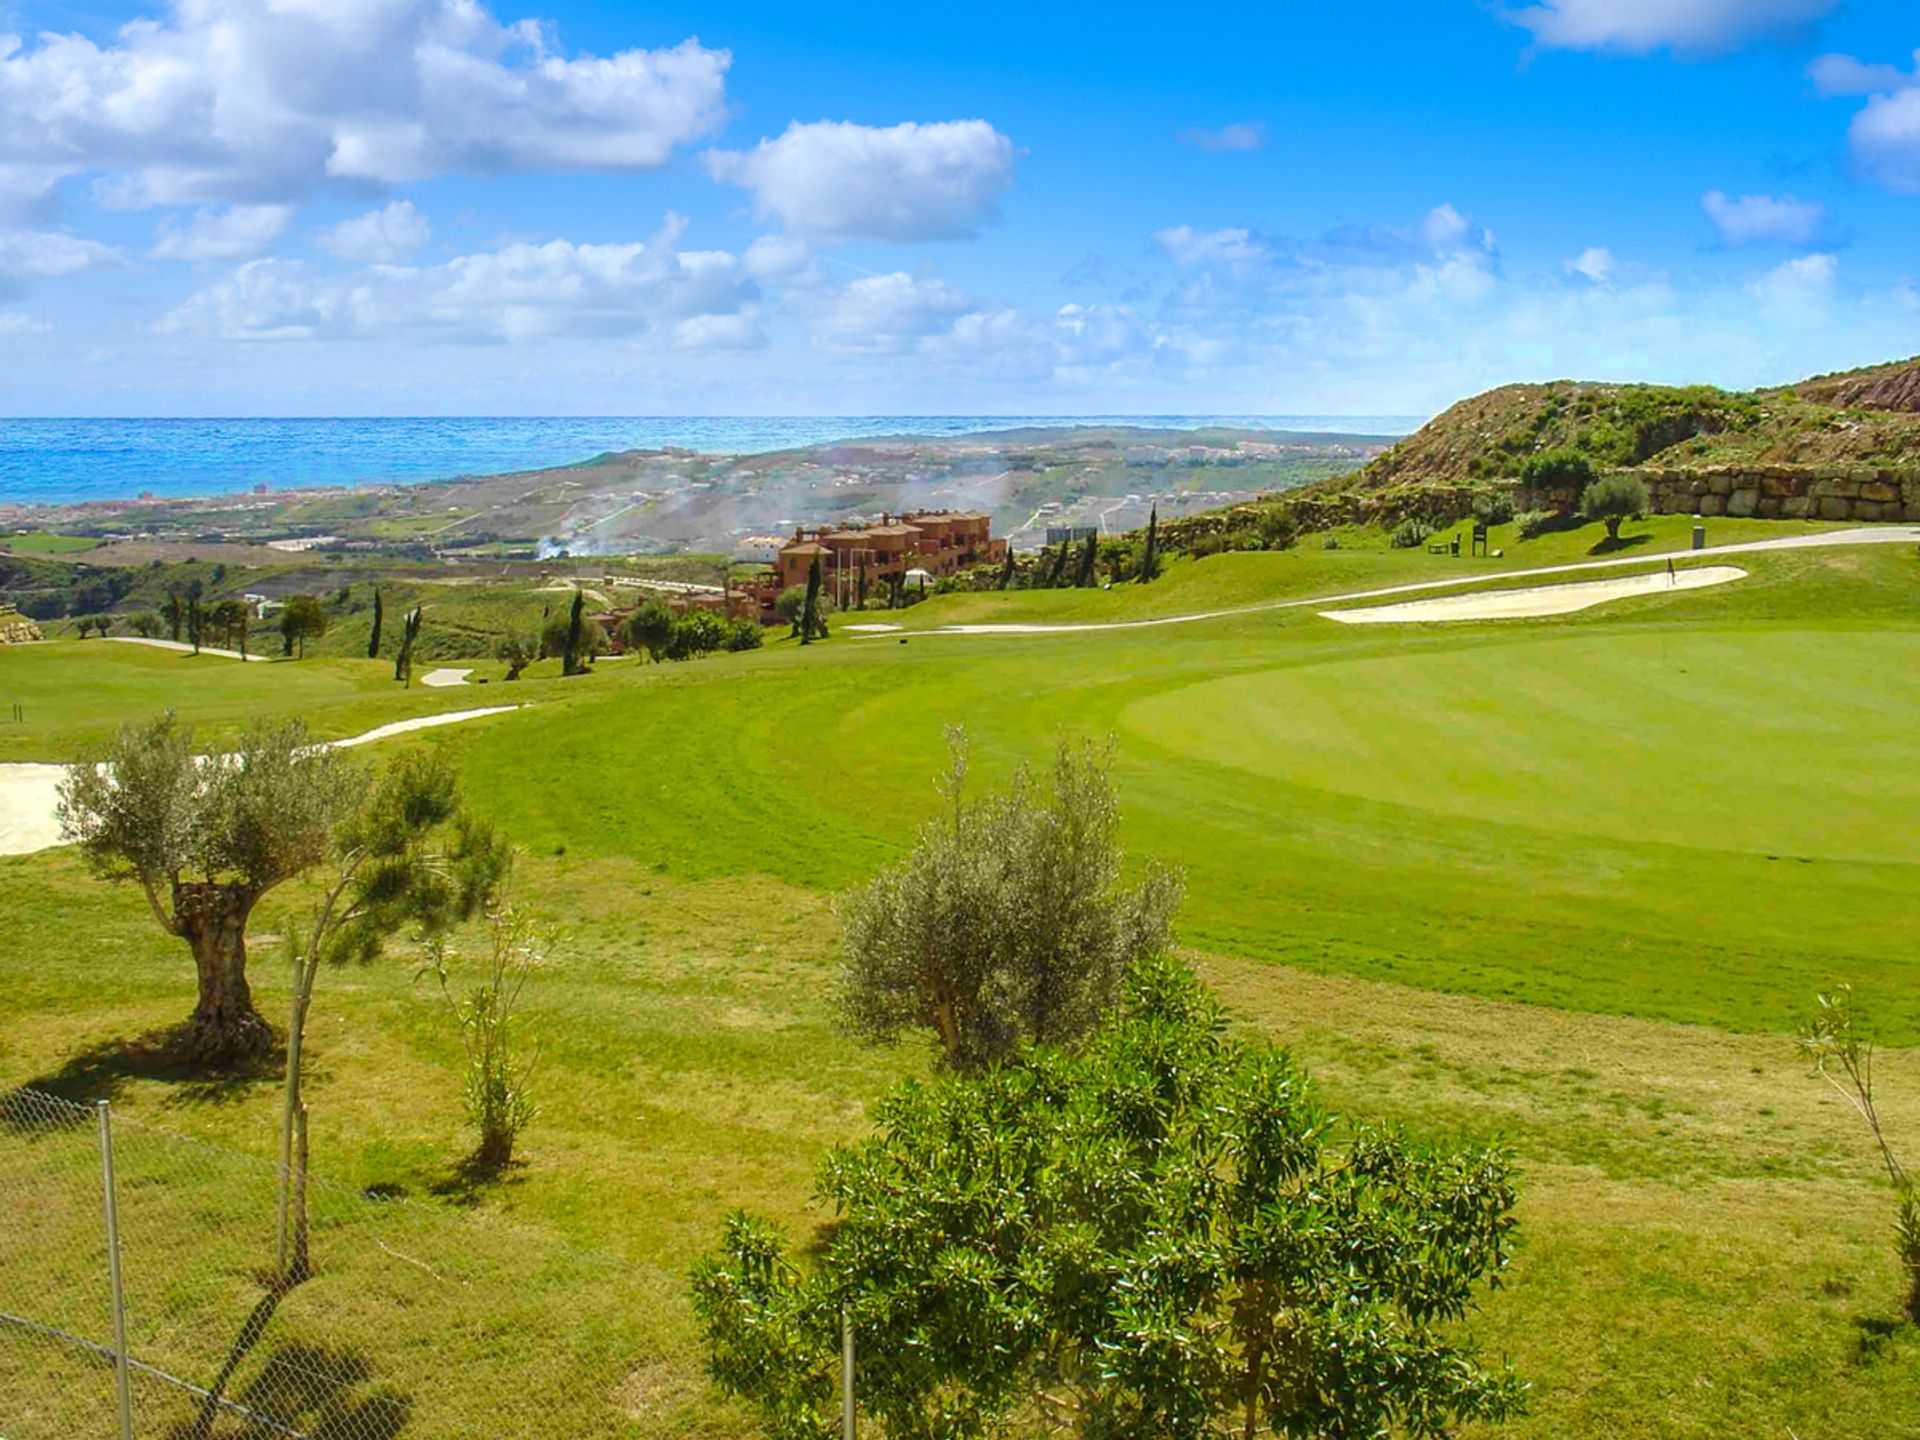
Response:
column 1780, row 742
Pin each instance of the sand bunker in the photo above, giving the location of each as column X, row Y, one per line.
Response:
column 1537, row 600
column 439, row 679
column 182, row 645
column 29, row 794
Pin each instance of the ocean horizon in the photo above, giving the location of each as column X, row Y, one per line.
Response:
column 55, row 461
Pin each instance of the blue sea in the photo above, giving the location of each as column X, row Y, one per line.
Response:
column 61, row 461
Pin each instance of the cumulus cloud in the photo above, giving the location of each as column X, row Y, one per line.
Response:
column 888, row 314
column 1764, row 219
column 1596, row 263
column 49, row 254
column 1245, row 135
column 235, row 232
column 1641, row 26
column 239, row 101
column 1885, row 135
column 835, row 180
column 646, row 289
column 385, row 236
column 1798, row 291
column 1844, row 75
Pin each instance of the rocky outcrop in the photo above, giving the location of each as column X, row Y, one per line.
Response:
column 1883, row 387
column 16, row 629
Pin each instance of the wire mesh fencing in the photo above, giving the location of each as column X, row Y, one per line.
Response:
column 409, row 1319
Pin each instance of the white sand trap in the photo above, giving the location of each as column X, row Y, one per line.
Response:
column 182, row 645
column 440, row 679
column 871, row 629
column 28, row 799
column 29, row 794
column 420, row 722
column 1537, row 600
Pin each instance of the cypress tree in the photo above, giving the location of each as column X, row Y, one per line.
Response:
column 176, row 613
column 373, row 645
column 1059, row 570
column 810, row 622
column 409, row 632
column 1006, row 570
column 1150, row 562
column 1087, row 556
column 570, row 662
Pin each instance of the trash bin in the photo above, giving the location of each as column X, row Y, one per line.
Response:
column 1699, row 537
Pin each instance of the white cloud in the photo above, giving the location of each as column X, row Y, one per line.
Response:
column 1642, row 26
column 1245, row 135
column 778, row 258
column 1235, row 248
column 247, row 102
column 1595, row 263
column 1844, row 75
column 385, row 236
column 236, row 232
column 1798, row 291
column 839, row 181
column 49, row 254
column 14, row 324
column 1765, row 219
column 685, row 298
column 1886, row 139
column 888, row 314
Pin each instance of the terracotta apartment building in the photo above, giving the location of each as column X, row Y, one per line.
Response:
column 937, row 541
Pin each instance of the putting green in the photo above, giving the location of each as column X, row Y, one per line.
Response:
column 1779, row 742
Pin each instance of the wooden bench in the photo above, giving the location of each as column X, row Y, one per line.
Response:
column 1445, row 547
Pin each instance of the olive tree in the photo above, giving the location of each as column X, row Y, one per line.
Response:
column 1842, row 1055
column 1162, row 1236
column 205, row 839
column 302, row 618
column 1008, row 922
column 649, row 628
column 408, row 859
column 1613, row 498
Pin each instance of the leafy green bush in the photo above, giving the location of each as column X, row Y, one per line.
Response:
column 1411, row 533
column 744, row 634
column 1008, row 921
column 1557, row 468
column 1493, row 507
column 1161, row 1235
column 1614, row 498
column 1529, row 523
column 696, row 633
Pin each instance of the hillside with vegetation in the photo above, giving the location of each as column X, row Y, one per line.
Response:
column 1861, row 418
column 1835, row 447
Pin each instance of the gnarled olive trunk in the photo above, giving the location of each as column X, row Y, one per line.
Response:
column 212, row 919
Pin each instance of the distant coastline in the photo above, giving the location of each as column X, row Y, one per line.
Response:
column 65, row 461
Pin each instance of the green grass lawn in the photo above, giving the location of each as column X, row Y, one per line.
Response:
column 1567, row 882
column 75, row 694
column 37, row 543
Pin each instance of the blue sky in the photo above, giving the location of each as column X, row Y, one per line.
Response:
column 434, row 206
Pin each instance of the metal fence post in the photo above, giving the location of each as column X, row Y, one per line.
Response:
column 847, row 1426
column 120, row 1377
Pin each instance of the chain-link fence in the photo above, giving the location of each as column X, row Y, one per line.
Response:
column 416, row 1319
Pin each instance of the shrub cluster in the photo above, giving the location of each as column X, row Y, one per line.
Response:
column 1411, row 533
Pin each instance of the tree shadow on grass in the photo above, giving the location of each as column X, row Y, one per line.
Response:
column 101, row 1072
column 1876, row 1335
column 473, row 1177
column 316, row 1392
column 1605, row 546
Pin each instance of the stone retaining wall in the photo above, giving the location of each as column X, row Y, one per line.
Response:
column 1769, row 492
column 1785, row 492
column 16, row 629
